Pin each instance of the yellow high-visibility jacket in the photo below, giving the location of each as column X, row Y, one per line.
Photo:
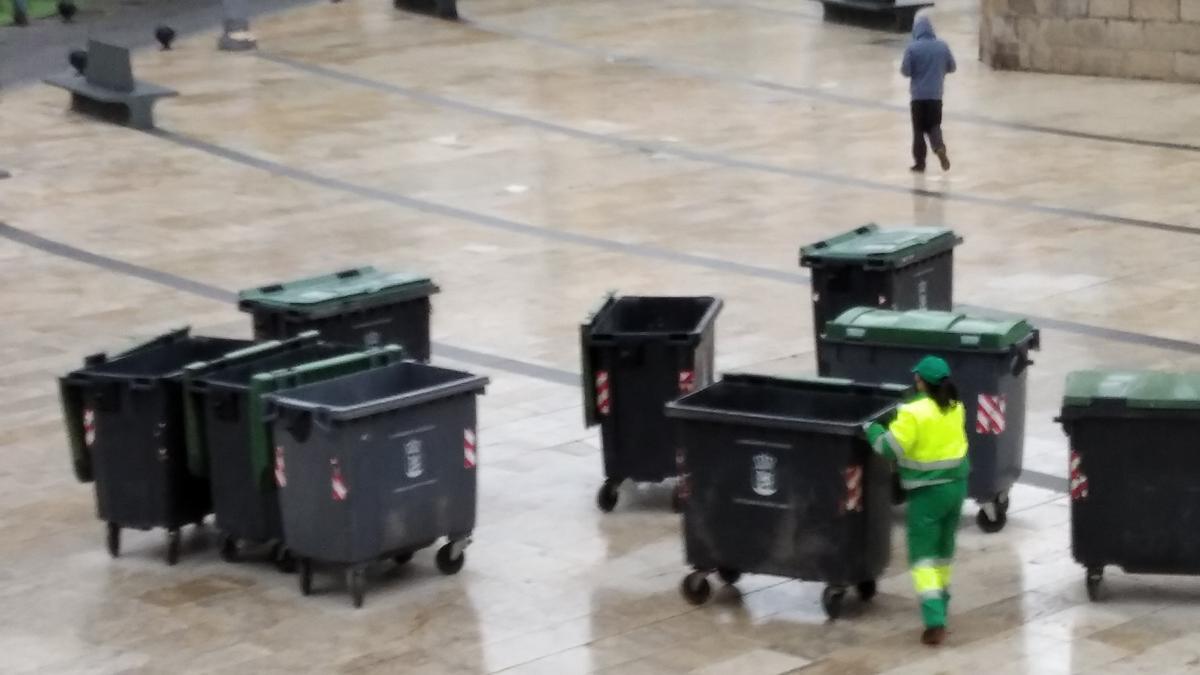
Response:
column 929, row 446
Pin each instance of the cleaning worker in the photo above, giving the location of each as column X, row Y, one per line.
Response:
column 928, row 443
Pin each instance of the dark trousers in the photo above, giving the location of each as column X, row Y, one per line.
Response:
column 926, row 121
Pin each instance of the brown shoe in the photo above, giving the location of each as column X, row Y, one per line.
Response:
column 933, row 636
column 944, row 158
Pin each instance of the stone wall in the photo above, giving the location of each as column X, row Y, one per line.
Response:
column 1148, row 39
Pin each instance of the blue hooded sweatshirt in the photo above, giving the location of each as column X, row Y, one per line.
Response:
column 927, row 60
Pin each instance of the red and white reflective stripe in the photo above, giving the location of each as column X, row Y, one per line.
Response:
column 280, row 474
column 687, row 381
column 89, row 427
column 603, row 401
column 854, row 488
column 991, row 415
column 468, row 449
column 340, row 491
column 1079, row 482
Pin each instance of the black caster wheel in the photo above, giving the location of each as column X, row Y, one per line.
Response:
column 403, row 558
column 729, row 576
column 173, row 541
column 866, row 590
column 284, row 560
column 831, row 601
column 1095, row 575
column 448, row 565
column 356, row 581
column 606, row 498
column 695, row 588
column 993, row 525
column 228, row 548
column 114, row 540
column 304, row 575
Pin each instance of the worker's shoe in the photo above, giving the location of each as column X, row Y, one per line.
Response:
column 933, row 636
column 943, row 157
column 20, row 18
column 917, row 168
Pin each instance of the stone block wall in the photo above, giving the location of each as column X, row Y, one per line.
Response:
column 1146, row 39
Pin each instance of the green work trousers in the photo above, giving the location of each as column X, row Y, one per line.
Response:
column 933, row 515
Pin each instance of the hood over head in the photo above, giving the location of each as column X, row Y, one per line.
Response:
column 923, row 28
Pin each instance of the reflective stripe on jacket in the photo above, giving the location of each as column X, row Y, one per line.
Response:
column 928, row 445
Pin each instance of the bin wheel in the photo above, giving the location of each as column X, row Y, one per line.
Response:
column 607, row 497
column 1094, row 576
column 695, row 588
column 173, row 540
column 729, row 576
column 228, row 548
column 284, row 560
column 403, row 558
column 304, row 574
column 114, row 540
column 867, row 590
column 993, row 525
column 447, row 564
column 356, row 580
column 831, row 600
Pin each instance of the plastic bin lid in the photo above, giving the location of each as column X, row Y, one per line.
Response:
column 354, row 284
column 1134, row 389
column 870, row 244
column 824, row 404
column 924, row 328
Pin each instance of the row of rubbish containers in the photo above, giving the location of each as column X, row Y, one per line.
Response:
column 328, row 439
column 325, row 441
column 773, row 476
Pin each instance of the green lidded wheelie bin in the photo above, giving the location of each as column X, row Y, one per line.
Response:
column 896, row 268
column 782, row 481
column 228, row 435
column 363, row 306
column 638, row 353
column 990, row 360
column 125, row 424
column 377, row 464
column 1133, row 471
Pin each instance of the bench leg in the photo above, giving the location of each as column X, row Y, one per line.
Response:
column 141, row 114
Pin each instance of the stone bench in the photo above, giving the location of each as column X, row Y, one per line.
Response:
column 108, row 90
column 443, row 9
column 884, row 14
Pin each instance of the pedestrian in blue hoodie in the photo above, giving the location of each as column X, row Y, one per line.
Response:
column 927, row 61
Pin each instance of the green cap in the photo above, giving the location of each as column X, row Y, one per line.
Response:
column 932, row 369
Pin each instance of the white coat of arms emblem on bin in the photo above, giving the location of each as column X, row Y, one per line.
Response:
column 414, row 465
column 764, row 475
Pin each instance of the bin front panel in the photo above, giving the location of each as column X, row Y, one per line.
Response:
column 404, row 323
column 993, row 390
column 1136, row 493
column 140, row 457
column 380, row 485
column 794, row 504
column 243, row 508
column 639, row 442
column 924, row 284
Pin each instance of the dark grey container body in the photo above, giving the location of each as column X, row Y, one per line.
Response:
column 378, row 463
column 996, row 458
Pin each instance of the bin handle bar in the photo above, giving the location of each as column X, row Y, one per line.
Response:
column 141, row 384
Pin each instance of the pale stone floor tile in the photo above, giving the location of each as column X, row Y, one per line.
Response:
column 756, row 662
